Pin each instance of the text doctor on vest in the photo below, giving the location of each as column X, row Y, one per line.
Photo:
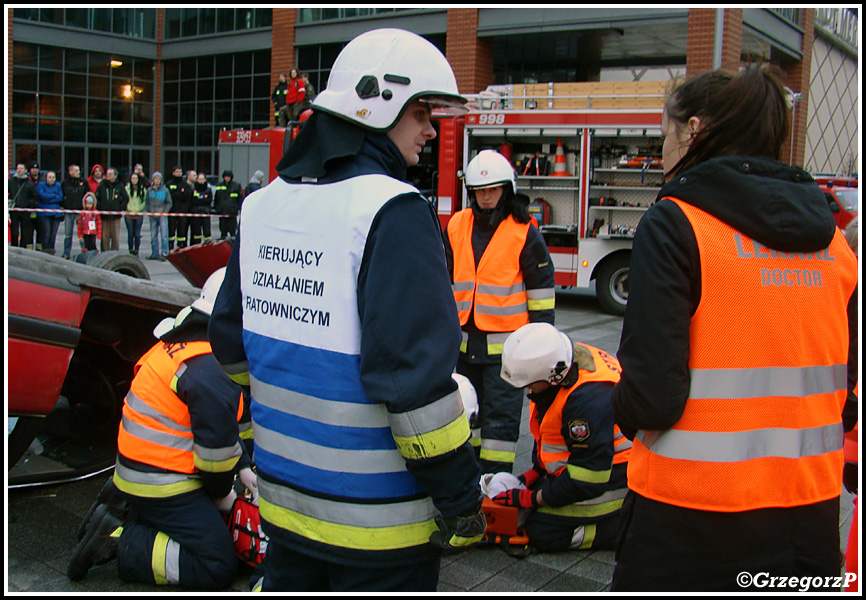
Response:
column 337, row 311
column 503, row 278
column 734, row 353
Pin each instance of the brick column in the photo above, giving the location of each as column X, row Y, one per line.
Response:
column 797, row 77
column 157, row 94
column 700, row 43
column 282, row 48
column 471, row 57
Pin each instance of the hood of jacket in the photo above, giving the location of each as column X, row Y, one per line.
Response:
column 94, row 167
column 329, row 149
column 84, row 201
column 776, row 204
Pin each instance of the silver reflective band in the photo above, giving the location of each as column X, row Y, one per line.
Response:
column 463, row 286
column 323, row 458
column 739, row 446
column 217, row 454
column 541, row 294
column 499, row 446
column 502, row 311
column 427, row 418
column 141, row 477
column 348, row 513
column 464, row 305
column 143, row 408
column 328, row 412
column 501, row 290
column 157, row 437
column 795, row 382
column 172, row 562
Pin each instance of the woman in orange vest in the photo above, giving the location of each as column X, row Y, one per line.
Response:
column 577, row 482
column 502, row 278
column 734, row 354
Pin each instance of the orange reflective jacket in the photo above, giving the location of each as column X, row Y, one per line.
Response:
column 496, row 289
column 553, row 452
column 768, row 354
column 155, row 428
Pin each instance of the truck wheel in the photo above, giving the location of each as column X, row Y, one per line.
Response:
column 119, row 262
column 611, row 285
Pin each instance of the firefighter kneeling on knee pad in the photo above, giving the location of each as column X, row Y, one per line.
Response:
column 578, row 479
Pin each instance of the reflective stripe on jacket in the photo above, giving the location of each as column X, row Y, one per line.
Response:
column 156, row 430
column 762, row 425
column 333, row 462
column 496, row 288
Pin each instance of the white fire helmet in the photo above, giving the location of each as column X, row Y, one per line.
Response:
column 536, row 352
column 204, row 303
column 468, row 395
column 489, row 169
column 379, row 73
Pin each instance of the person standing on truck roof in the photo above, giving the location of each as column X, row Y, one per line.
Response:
column 734, row 353
column 181, row 198
column 295, row 93
column 178, row 453
column 577, row 483
column 279, row 96
column 502, row 279
column 337, row 311
column 227, row 201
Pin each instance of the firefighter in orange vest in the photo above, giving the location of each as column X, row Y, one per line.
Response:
column 734, row 353
column 502, row 278
column 577, row 482
column 178, row 453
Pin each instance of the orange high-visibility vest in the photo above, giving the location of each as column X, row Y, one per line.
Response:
column 552, row 449
column 496, row 289
column 768, row 354
column 160, row 419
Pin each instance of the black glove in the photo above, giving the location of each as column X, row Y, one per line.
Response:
column 458, row 533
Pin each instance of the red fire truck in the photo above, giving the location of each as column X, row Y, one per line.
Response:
column 588, row 202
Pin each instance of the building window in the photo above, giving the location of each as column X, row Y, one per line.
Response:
column 192, row 22
column 71, row 105
column 207, row 94
column 128, row 22
column 312, row 15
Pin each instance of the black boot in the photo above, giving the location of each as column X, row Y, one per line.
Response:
column 97, row 547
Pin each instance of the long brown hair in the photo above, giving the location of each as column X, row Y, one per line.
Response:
column 744, row 114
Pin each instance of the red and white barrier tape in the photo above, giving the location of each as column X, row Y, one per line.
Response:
column 116, row 212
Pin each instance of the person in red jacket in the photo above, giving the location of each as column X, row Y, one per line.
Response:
column 295, row 93
column 97, row 173
column 89, row 223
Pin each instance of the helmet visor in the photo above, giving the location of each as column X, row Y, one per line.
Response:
column 446, row 105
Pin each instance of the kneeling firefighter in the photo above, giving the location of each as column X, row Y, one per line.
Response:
column 578, row 479
column 178, row 453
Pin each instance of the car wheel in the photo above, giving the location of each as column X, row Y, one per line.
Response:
column 120, row 262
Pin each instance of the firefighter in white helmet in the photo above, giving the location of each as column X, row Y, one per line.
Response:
column 502, row 278
column 577, row 483
column 337, row 311
column 178, row 451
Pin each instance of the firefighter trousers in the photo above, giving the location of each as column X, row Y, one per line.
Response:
column 500, row 408
column 551, row 533
column 182, row 540
column 288, row 570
